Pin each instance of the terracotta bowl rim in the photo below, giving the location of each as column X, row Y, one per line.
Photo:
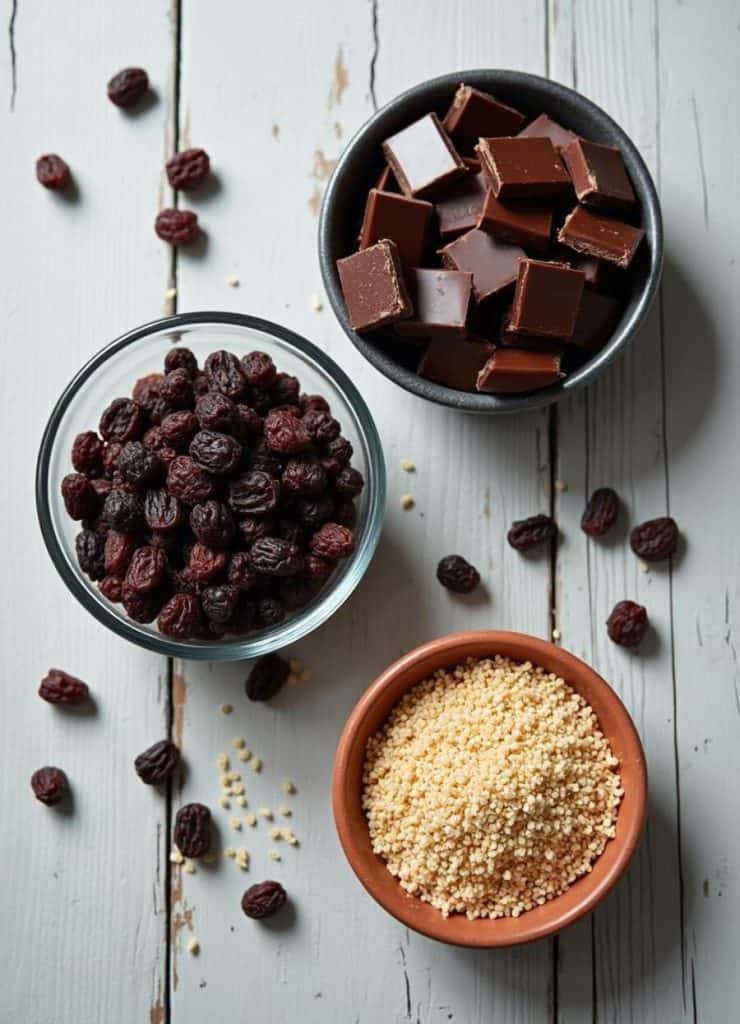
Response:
column 532, row 925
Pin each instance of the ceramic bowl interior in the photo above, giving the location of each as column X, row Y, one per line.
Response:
column 358, row 170
column 113, row 372
column 373, row 709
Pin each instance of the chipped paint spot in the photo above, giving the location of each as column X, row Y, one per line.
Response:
column 705, row 887
column 340, row 81
column 322, row 166
column 314, row 201
column 179, row 698
column 185, row 141
column 487, row 503
column 181, row 918
column 276, row 131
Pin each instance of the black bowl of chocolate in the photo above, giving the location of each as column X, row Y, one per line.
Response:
column 490, row 240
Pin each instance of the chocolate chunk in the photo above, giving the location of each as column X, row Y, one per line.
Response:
column 598, row 174
column 403, row 220
column 600, row 236
column 456, row 364
column 386, row 181
column 459, row 206
column 373, row 286
column 518, row 339
column 524, row 222
column 440, row 299
column 422, row 157
column 543, row 127
column 547, row 298
column 474, row 114
column 494, row 265
column 597, row 318
column 511, row 370
column 523, row 167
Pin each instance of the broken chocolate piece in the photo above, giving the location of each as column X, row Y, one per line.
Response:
column 512, row 370
column 524, row 222
column 494, row 265
column 600, row 236
column 546, row 299
column 598, row 174
column 518, row 339
column 403, row 220
column 373, row 286
column 440, row 299
column 474, row 114
column 386, row 181
column 523, row 167
column 459, row 206
column 422, row 157
column 543, row 127
column 456, row 364
column 596, row 320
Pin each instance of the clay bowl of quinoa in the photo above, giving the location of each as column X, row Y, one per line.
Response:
column 489, row 789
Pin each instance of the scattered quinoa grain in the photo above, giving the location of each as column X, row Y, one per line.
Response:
column 560, row 486
column 276, row 833
column 242, row 801
column 644, row 567
column 266, row 813
column 285, row 810
column 225, row 802
column 244, row 755
column 239, row 742
column 176, row 857
column 193, row 947
column 288, row 787
column 236, row 824
column 233, row 281
column 407, row 502
column 223, row 762
column 190, row 867
column 251, row 820
column 274, row 855
column 408, row 466
column 316, row 304
column 556, row 634
column 238, row 789
column 230, row 852
column 257, row 764
column 226, row 709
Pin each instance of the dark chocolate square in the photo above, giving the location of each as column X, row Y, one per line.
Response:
column 474, row 114
column 523, row 167
column 458, row 206
column 494, row 265
column 405, row 221
column 456, row 364
column 526, row 222
column 547, row 299
column 598, row 174
column 422, row 157
column 373, row 286
column 600, row 236
column 543, row 127
column 440, row 299
column 513, row 370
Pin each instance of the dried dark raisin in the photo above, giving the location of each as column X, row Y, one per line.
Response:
column 178, row 429
column 260, row 457
column 601, row 512
column 285, row 389
column 220, row 454
column 123, row 510
column 314, row 512
column 252, row 528
column 181, row 358
column 310, row 403
column 320, row 425
column 110, row 458
column 178, row 227
column 527, row 533
column 247, row 423
column 111, row 587
column 80, row 497
column 59, row 687
column 225, row 374
column 128, row 86
column 254, row 493
column 147, row 391
column 205, row 564
column 192, row 833
column 274, row 557
column 304, row 475
column 627, row 623
column 124, row 420
column 162, row 511
column 146, row 570
column 240, row 572
column 263, row 899
column 52, row 171
column 219, row 602
column 180, row 617
column 458, row 575
column 259, row 369
column 87, row 453
column 138, row 464
column 270, row 611
column 215, row 411
column 345, row 512
column 89, row 547
column 318, row 570
column 176, row 390
column 348, row 482
column 332, row 542
column 141, row 608
column 212, row 524
column 157, row 763
column 119, row 549
column 187, row 481
column 188, row 169
column 655, row 539
column 285, row 433
column 268, row 676
column 49, row 785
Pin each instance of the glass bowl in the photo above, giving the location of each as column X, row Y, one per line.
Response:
column 112, row 373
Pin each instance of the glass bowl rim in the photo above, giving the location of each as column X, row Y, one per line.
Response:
column 297, row 627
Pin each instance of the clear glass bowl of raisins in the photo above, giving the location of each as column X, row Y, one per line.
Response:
column 211, row 486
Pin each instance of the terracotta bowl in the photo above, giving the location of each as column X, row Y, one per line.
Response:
column 372, row 710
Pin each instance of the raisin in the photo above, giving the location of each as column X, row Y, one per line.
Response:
column 180, row 617
column 268, row 676
column 254, row 493
column 162, row 510
column 348, row 482
column 138, row 464
column 270, row 611
column 141, row 608
column 178, row 429
column 201, row 384
column 259, row 369
column 600, row 513
column 204, row 564
column 219, row 602
column 192, row 832
column 272, row 556
column 212, row 524
column 304, row 475
column 215, row 411
column 80, row 497
column 314, row 512
column 252, row 528
column 296, row 592
column 87, row 453
column 243, row 618
column 218, row 453
column 178, row 227
column 59, row 687
column 157, row 763
column 128, row 86
column 655, row 539
column 261, row 401
column 457, row 575
column 123, row 510
column 318, row 570
column 176, row 389
column 247, row 423
column 110, row 457
column 285, row 433
column 345, row 512
column 285, row 389
column 124, row 420
column 102, row 487
column 240, row 573
column 263, row 899
column 627, row 623
column 89, row 547
column 332, row 542
column 287, row 528
column 181, row 358
column 49, row 785
column 320, row 425
column 119, row 549
column 187, row 481
column 188, row 169
column 52, row 171
column 111, row 587
column 527, row 533
column 311, row 403
column 225, row 374
column 260, row 457
column 336, row 455
column 148, row 390
column 146, row 570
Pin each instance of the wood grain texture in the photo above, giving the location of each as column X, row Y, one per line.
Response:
column 83, row 894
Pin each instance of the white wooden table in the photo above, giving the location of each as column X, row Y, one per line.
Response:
column 95, row 920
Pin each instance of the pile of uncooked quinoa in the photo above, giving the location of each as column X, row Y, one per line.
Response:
column 490, row 789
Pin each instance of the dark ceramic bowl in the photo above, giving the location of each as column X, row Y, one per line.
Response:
column 358, row 170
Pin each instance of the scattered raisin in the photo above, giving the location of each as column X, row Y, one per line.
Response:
column 146, row 570
column 192, row 832
column 345, row 512
column 268, row 676
column 110, row 457
column 124, row 420
column 178, row 227
column 332, row 542
column 180, row 617
column 49, row 785
column 52, row 171
column 263, row 899
column 601, row 512
column 187, row 481
column 212, row 524
column 218, row 453
column 80, row 497
column 655, row 539
column 274, row 557
column 457, row 575
column 59, row 687
column 188, row 169
column 627, row 623
column 285, row 433
column 147, row 391
column 89, row 547
column 258, row 369
column 87, row 453
column 254, row 493
column 128, row 86
column 225, row 374
column 527, row 533
column 219, row 601
column 157, row 763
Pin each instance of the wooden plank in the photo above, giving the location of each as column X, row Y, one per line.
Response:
column 273, row 127
column 84, row 887
column 625, row 962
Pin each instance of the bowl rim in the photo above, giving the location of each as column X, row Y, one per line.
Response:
column 449, row 650
column 298, row 626
column 473, row 401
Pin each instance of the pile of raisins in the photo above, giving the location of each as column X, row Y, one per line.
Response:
column 215, row 500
